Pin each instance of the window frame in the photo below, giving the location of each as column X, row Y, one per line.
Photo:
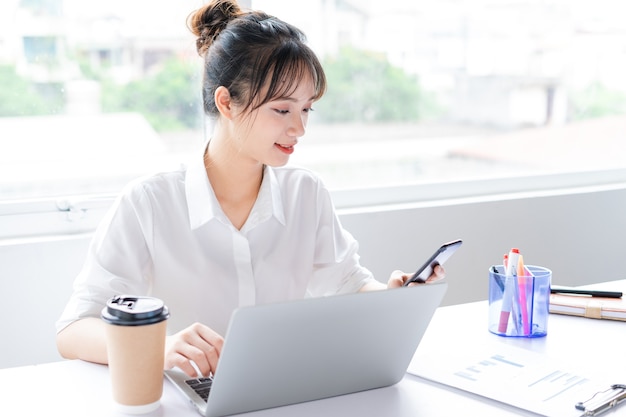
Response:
column 80, row 214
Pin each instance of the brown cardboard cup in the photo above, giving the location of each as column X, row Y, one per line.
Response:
column 135, row 332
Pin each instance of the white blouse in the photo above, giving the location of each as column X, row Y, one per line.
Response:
column 166, row 236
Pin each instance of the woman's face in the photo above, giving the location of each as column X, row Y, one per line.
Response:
column 269, row 134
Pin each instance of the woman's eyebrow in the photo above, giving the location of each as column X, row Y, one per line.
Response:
column 289, row 98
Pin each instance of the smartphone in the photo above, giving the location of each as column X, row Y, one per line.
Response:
column 438, row 258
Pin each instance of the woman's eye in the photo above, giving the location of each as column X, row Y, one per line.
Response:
column 285, row 111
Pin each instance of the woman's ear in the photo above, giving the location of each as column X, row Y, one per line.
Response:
column 223, row 102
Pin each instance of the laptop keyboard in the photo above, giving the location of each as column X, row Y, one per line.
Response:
column 202, row 386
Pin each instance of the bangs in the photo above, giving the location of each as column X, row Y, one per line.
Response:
column 288, row 67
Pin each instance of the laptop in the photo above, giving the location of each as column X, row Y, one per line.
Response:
column 304, row 350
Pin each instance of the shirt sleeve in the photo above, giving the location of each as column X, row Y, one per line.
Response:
column 337, row 269
column 118, row 261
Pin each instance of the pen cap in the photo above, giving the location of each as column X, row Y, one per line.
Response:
column 511, row 261
column 128, row 310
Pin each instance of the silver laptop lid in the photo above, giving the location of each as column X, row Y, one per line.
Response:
column 285, row 353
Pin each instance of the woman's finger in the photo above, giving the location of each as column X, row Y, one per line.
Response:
column 196, row 348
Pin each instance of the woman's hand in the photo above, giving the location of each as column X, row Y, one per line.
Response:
column 195, row 348
column 398, row 278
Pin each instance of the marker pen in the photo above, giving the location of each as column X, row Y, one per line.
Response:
column 522, row 280
column 510, row 293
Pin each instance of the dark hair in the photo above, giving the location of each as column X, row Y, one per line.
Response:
column 248, row 51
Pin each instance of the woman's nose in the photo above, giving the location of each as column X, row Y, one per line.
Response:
column 298, row 126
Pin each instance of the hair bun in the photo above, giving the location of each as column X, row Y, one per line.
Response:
column 207, row 22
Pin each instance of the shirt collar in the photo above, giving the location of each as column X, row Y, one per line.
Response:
column 269, row 202
column 202, row 204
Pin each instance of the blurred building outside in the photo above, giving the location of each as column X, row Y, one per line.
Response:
column 502, row 73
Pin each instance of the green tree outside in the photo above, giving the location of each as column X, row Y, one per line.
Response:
column 169, row 99
column 21, row 97
column 364, row 87
column 597, row 101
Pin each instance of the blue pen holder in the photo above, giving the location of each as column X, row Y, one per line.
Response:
column 519, row 305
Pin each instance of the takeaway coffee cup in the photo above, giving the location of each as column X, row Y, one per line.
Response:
column 135, row 335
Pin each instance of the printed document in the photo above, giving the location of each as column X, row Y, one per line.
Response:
column 515, row 376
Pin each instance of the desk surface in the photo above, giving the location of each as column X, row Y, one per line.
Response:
column 76, row 388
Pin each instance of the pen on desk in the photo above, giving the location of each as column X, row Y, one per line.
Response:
column 592, row 293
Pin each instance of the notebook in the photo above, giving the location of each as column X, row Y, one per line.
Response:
column 304, row 350
column 591, row 307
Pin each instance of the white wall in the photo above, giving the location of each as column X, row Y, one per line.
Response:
column 578, row 235
column 35, row 283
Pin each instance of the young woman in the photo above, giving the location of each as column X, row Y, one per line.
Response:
column 235, row 227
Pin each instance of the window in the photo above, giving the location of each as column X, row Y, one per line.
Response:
column 421, row 94
column 40, row 49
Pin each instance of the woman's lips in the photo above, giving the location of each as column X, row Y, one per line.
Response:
column 285, row 149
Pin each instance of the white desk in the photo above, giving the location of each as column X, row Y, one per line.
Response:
column 76, row 388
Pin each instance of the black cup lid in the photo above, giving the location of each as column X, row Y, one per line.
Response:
column 129, row 310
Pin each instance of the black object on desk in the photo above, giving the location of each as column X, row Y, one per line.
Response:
column 592, row 293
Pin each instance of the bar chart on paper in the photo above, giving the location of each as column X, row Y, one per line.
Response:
column 514, row 376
